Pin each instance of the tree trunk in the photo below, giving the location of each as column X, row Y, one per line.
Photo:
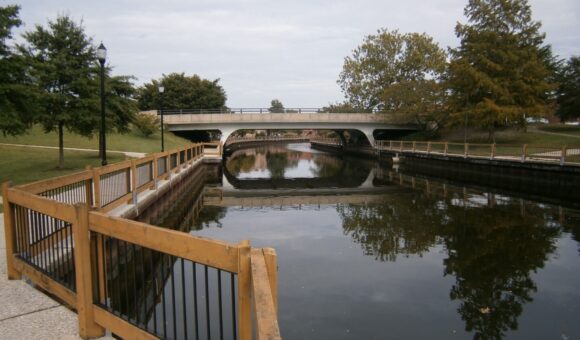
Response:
column 60, row 145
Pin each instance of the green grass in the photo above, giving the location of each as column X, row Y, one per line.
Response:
column 561, row 128
column 132, row 141
column 24, row 165
column 512, row 137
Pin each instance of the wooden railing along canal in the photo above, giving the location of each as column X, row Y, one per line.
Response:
column 135, row 279
column 522, row 153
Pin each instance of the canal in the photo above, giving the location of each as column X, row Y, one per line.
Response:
column 368, row 251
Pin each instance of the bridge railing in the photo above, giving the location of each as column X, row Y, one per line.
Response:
column 524, row 153
column 234, row 140
column 135, row 279
column 326, row 141
column 254, row 110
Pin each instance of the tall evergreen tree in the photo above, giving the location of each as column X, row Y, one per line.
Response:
column 63, row 65
column 17, row 96
column 500, row 72
column 568, row 93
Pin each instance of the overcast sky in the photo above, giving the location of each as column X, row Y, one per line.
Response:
column 261, row 50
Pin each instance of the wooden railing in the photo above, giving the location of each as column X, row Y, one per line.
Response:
column 118, row 273
column 523, row 153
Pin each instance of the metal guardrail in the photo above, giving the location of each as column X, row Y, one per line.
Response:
column 254, row 110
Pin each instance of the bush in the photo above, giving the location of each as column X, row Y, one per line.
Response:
column 146, row 124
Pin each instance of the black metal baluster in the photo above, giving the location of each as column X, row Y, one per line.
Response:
column 174, row 316
column 207, row 304
column 194, row 275
column 233, row 290
column 163, row 295
column 219, row 273
column 153, row 275
column 184, row 300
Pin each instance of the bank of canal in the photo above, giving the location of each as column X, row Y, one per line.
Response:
column 366, row 251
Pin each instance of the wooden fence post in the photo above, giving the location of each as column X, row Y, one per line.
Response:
column 9, row 234
column 492, row 151
column 466, row 150
column 133, row 185
column 563, row 155
column 84, row 280
column 414, row 146
column 245, row 291
column 272, row 265
column 88, row 188
column 446, row 148
column 428, row 147
column 97, row 188
column 524, row 152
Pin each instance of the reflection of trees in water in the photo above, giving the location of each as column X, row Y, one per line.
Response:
column 278, row 162
column 242, row 163
column 492, row 249
column 394, row 228
column 326, row 165
column 492, row 252
column 209, row 216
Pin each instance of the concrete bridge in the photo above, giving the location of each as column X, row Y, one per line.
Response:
column 227, row 123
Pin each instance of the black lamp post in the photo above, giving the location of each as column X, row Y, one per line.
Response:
column 161, row 90
column 102, row 57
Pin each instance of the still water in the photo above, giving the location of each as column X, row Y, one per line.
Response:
column 367, row 251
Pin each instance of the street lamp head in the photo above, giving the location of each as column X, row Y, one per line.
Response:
column 161, row 89
column 102, row 53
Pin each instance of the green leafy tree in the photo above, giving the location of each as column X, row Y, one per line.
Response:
column 568, row 93
column 182, row 92
column 146, row 124
column 394, row 72
column 276, row 106
column 17, row 96
column 66, row 75
column 62, row 61
column 500, row 72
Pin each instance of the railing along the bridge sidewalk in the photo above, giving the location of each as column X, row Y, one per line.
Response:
column 117, row 273
column 233, row 140
column 326, row 141
column 569, row 155
column 254, row 110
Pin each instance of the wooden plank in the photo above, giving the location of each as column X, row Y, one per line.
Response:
column 9, row 234
column 264, row 309
column 62, row 211
column 148, row 158
column 114, row 167
column 213, row 253
column 245, row 291
column 84, row 279
column 46, row 283
column 119, row 326
column 271, row 259
column 57, row 182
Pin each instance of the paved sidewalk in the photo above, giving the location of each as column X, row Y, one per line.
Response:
column 26, row 312
column 126, row 153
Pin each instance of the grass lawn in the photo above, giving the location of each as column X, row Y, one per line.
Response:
column 561, row 128
column 132, row 141
column 513, row 137
column 23, row 165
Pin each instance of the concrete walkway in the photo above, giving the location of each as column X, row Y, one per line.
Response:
column 126, row 153
column 26, row 312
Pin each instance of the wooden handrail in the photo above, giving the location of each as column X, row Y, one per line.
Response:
column 263, row 300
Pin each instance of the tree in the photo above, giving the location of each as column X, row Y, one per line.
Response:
column 147, row 124
column 17, row 96
column 276, row 106
column 500, row 72
column 568, row 93
column 182, row 92
column 393, row 72
column 66, row 75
